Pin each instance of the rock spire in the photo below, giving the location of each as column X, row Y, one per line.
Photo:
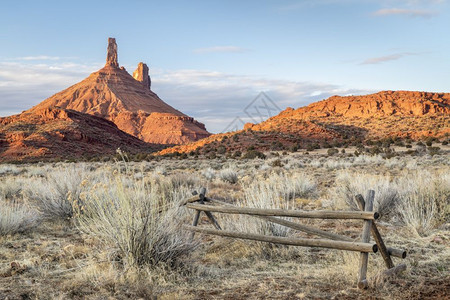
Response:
column 141, row 75
column 111, row 57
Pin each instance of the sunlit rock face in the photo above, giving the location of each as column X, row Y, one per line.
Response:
column 112, row 93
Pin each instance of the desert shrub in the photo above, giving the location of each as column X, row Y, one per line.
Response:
column 17, row 218
column 291, row 186
column 260, row 194
column 237, row 154
column 276, row 163
column 294, row 148
column 221, row 150
column 433, row 150
column 10, row 188
column 228, row 175
column 57, row 195
column 180, row 180
column 160, row 170
column 348, row 185
column 211, row 155
column 252, row 154
column 209, row 173
column 424, row 201
column 9, row 169
column 139, row 223
column 332, row 151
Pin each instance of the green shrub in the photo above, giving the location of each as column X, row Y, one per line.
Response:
column 252, row 154
column 332, row 151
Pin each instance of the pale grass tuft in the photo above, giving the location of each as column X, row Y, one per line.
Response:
column 350, row 184
column 424, row 201
column 17, row 218
column 139, row 222
column 56, row 195
column 228, row 175
column 209, row 173
column 274, row 192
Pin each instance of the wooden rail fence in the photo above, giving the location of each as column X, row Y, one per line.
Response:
column 328, row 239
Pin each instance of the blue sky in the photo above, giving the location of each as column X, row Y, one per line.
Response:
column 210, row 59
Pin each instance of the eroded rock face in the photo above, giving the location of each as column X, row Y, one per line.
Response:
column 61, row 133
column 141, row 75
column 402, row 114
column 386, row 103
column 112, row 93
column 111, row 56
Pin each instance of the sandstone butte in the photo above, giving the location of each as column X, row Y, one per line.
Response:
column 128, row 101
column 401, row 114
column 58, row 133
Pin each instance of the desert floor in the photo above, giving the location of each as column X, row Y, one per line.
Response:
column 113, row 230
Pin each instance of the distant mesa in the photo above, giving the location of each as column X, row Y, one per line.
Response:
column 387, row 114
column 128, row 101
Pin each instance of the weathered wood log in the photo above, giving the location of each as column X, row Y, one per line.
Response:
column 376, row 235
column 213, row 220
column 200, row 197
column 387, row 274
column 364, row 256
column 308, row 229
column 397, row 252
column 340, row 245
column 189, row 200
column 297, row 226
column 287, row 213
column 195, row 222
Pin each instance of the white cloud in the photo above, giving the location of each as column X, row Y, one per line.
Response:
column 216, row 98
column 405, row 12
column 213, row 98
column 386, row 58
column 39, row 57
column 23, row 85
column 226, row 49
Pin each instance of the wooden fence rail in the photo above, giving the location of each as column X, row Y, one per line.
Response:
column 332, row 240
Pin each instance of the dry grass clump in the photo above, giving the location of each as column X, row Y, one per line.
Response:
column 209, row 174
column 296, row 185
column 421, row 199
column 11, row 188
column 139, row 222
column 424, row 201
column 260, row 194
column 276, row 191
column 56, row 195
column 184, row 180
column 228, row 175
column 348, row 184
column 17, row 218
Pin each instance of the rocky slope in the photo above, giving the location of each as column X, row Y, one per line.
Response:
column 112, row 93
column 62, row 134
column 399, row 114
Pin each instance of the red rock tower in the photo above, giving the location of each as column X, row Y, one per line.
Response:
column 141, row 74
column 112, row 93
column 111, row 57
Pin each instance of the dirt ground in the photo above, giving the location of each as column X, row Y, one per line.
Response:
column 56, row 261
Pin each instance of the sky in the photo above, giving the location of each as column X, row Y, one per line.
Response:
column 211, row 59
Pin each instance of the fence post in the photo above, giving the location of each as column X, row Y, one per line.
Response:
column 377, row 236
column 197, row 212
column 364, row 257
column 208, row 213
